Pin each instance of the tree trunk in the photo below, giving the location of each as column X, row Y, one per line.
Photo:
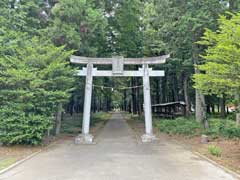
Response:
column 174, row 87
column 138, row 100
column 58, row 119
column 223, row 108
column 237, row 98
column 208, row 109
column 200, row 107
column 233, row 5
column 213, row 108
column 238, row 119
column 94, row 102
column 99, row 103
column 134, row 101
column 186, row 97
column 125, row 100
column 71, row 106
column 204, row 110
column 164, row 88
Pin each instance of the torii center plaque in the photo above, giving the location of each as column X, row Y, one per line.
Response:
column 118, row 63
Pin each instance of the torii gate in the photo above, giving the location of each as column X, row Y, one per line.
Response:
column 118, row 63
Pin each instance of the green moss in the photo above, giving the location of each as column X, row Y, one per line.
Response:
column 7, row 162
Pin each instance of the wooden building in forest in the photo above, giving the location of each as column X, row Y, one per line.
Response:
column 169, row 110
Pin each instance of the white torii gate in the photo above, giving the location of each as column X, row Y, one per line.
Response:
column 118, row 63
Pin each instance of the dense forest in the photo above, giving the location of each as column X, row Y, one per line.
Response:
column 37, row 37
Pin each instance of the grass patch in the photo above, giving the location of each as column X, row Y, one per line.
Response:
column 7, row 162
column 180, row 126
column 73, row 124
column 135, row 117
column 223, row 128
column 214, row 150
column 190, row 127
column 100, row 117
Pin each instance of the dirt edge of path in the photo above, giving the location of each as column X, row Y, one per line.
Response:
column 193, row 145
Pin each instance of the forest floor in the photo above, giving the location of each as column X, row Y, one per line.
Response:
column 71, row 127
column 230, row 157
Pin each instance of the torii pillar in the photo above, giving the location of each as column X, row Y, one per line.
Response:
column 148, row 136
column 86, row 136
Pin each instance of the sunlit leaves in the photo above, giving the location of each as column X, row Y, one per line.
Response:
column 221, row 72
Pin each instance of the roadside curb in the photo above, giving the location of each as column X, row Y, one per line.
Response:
column 234, row 174
column 227, row 170
column 31, row 156
column 25, row 159
column 19, row 162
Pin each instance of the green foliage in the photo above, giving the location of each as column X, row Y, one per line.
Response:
column 224, row 128
column 190, row 127
column 78, row 25
column 215, row 151
column 180, row 25
column 173, row 26
column 19, row 127
column 221, row 68
column 152, row 41
column 34, row 78
column 127, row 28
column 24, row 16
column 179, row 126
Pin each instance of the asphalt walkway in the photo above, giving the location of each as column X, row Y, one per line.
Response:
column 116, row 156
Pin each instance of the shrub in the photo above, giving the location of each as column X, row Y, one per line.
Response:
column 223, row 128
column 17, row 127
column 179, row 126
column 215, row 151
column 231, row 132
column 190, row 127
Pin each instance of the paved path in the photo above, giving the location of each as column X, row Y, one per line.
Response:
column 116, row 156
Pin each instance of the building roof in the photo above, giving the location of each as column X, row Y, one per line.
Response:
column 170, row 104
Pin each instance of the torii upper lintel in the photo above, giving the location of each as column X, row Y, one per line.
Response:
column 127, row 61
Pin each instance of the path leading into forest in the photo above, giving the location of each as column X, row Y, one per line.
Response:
column 116, row 156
